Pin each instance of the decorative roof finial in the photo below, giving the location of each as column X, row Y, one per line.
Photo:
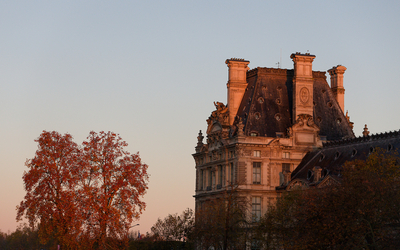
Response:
column 199, row 142
column 200, row 139
column 365, row 132
column 348, row 120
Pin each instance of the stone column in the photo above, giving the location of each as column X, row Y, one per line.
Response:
column 236, row 85
column 336, row 74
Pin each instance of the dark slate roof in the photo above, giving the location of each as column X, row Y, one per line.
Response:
column 267, row 103
column 334, row 154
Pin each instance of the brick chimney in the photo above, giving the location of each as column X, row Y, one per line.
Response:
column 302, row 84
column 236, row 85
column 336, row 74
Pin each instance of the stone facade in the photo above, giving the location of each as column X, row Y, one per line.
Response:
column 273, row 118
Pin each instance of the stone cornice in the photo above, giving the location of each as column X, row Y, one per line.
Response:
column 319, row 74
column 362, row 139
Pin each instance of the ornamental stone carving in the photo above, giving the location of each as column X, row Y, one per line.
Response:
column 304, row 95
column 218, row 118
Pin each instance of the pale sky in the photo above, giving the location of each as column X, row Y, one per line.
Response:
column 151, row 70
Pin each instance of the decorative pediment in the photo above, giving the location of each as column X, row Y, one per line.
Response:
column 327, row 181
column 305, row 122
column 297, row 184
column 215, row 127
column 218, row 122
column 304, row 131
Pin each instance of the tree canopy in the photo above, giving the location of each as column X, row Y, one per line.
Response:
column 360, row 212
column 174, row 227
column 82, row 195
column 223, row 222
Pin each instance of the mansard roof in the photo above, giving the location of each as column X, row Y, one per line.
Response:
column 334, row 154
column 267, row 105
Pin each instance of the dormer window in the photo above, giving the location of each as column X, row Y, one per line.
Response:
column 325, row 172
column 371, row 150
column 337, row 154
column 253, row 134
column 309, row 174
column 286, row 155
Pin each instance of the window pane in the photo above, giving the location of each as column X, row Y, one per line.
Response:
column 256, row 208
column 256, row 172
column 285, row 167
column 232, row 178
column 220, row 175
column 286, row 155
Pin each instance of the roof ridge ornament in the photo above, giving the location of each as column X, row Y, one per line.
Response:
column 365, row 132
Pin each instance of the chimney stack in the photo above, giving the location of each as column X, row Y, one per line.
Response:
column 336, row 74
column 302, row 85
column 236, row 85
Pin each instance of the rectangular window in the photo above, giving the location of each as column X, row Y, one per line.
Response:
column 201, row 180
column 285, row 167
column 232, row 173
column 256, row 172
column 255, row 244
column 213, row 179
column 257, row 153
column 256, row 208
column 209, row 179
column 204, row 179
column 220, row 175
column 286, row 155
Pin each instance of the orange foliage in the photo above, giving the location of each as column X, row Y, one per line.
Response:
column 83, row 195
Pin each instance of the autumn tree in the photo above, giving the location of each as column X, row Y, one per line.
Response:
column 174, row 227
column 82, row 195
column 360, row 212
column 50, row 183
column 113, row 182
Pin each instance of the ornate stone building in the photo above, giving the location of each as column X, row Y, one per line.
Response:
column 272, row 119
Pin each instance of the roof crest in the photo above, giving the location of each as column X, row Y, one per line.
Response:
column 368, row 138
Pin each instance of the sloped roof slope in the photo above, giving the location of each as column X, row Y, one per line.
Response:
column 267, row 105
column 334, row 154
